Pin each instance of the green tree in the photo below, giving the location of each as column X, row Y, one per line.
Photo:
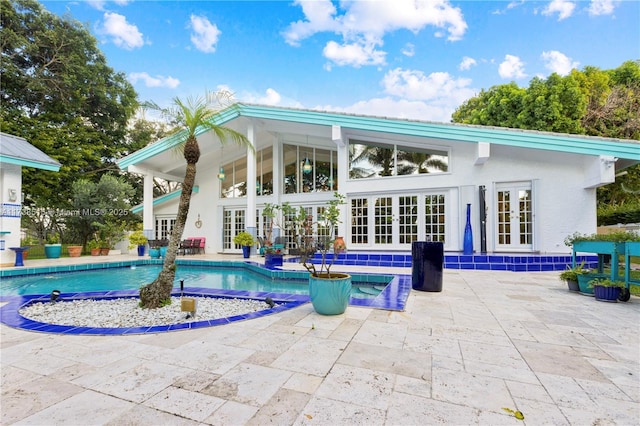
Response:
column 193, row 116
column 58, row 92
column 594, row 102
column 101, row 203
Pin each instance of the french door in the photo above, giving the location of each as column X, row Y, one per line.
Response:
column 233, row 222
column 514, row 214
column 395, row 221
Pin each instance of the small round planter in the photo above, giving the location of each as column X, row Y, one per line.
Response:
column 330, row 296
column 163, row 251
column 104, row 251
column 141, row 250
column 606, row 294
column 583, row 282
column 74, row 251
column 53, row 251
column 573, row 285
column 272, row 259
column 95, row 252
column 154, row 253
column 246, row 251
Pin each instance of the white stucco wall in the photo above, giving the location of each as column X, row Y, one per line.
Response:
column 562, row 204
column 10, row 179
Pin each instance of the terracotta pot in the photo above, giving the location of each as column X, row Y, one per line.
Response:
column 95, row 252
column 104, row 251
column 338, row 245
column 74, row 251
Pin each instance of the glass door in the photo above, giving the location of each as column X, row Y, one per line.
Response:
column 514, row 213
column 233, row 223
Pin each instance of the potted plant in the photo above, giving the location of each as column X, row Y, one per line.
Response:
column 26, row 244
column 329, row 292
column 245, row 240
column 94, row 247
column 570, row 276
column 138, row 240
column 53, row 248
column 74, row 250
column 606, row 290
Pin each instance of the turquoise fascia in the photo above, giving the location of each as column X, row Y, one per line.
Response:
column 164, row 199
column 574, row 144
column 29, row 163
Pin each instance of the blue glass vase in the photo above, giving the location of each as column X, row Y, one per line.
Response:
column 468, row 234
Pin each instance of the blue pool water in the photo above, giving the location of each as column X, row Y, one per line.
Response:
column 133, row 277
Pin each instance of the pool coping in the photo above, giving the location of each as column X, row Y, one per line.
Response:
column 393, row 297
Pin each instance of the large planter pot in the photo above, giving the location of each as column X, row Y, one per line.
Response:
column 583, row 282
column 52, row 251
column 272, row 259
column 154, row 253
column 246, row 251
column 330, row 296
column 606, row 294
column 141, row 250
column 74, row 251
column 163, row 251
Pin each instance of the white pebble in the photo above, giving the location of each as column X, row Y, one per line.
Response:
column 125, row 312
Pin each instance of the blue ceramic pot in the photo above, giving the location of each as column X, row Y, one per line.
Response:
column 154, row 253
column 52, row 251
column 330, row 296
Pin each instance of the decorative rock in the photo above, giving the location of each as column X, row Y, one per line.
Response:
column 125, row 312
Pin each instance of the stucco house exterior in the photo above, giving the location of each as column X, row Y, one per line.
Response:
column 404, row 180
column 16, row 153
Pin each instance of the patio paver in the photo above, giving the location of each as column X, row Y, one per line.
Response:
column 488, row 341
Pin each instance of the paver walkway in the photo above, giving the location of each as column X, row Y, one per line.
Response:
column 487, row 342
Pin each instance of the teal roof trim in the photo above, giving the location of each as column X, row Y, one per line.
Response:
column 164, row 198
column 574, row 144
column 29, row 163
column 174, row 140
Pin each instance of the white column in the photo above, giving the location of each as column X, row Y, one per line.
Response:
column 250, row 218
column 147, row 204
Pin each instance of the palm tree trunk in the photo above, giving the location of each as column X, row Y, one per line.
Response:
column 152, row 295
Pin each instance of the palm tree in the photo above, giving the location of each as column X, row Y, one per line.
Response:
column 191, row 117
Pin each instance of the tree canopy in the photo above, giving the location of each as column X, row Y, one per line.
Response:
column 58, row 92
column 591, row 102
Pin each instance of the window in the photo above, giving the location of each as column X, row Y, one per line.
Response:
column 434, row 217
column 235, row 183
column 164, row 227
column 308, row 169
column 375, row 160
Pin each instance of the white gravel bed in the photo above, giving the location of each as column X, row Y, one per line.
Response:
column 116, row 313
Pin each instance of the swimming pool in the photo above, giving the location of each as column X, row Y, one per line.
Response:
column 132, row 277
column 392, row 291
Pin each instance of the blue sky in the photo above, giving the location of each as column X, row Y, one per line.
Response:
column 397, row 58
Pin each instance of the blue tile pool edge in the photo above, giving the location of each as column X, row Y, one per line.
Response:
column 392, row 297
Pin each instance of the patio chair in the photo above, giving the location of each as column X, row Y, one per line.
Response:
column 195, row 246
column 185, row 246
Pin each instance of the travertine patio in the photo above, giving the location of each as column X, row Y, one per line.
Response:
column 488, row 341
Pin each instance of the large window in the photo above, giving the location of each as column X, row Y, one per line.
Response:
column 164, row 227
column 308, row 169
column 234, row 184
column 375, row 160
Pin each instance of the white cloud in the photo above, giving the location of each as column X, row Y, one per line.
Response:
column 205, row 34
column 270, row 97
column 157, row 81
column 396, row 108
column 122, row 33
column 601, row 7
column 409, row 50
column 511, row 67
column 558, row 62
column 564, row 8
column 467, row 63
column 363, row 24
column 439, row 88
column 353, row 54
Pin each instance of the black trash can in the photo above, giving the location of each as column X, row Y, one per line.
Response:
column 426, row 265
